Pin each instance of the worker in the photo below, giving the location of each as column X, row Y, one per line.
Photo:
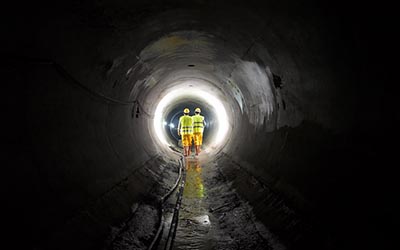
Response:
column 198, row 129
column 185, row 130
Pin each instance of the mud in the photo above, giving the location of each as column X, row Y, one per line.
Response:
column 214, row 216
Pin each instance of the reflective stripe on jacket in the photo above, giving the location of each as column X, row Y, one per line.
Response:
column 198, row 123
column 186, row 125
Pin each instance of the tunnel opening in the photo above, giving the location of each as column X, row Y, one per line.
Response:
column 193, row 94
column 172, row 119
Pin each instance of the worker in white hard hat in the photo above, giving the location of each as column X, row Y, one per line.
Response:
column 185, row 130
column 198, row 129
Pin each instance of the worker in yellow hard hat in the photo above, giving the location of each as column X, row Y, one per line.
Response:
column 198, row 129
column 185, row 130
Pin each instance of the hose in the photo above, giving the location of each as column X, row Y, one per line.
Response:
column 162, row 201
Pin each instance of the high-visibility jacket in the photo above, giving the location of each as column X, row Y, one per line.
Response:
column 198, row 123
column 186, row 125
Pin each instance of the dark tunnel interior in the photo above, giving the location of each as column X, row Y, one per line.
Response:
column 299, row 124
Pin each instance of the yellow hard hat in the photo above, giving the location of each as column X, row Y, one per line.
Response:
column 197, row 110
column 186, row 111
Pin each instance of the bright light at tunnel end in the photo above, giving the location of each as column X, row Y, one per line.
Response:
column 182, row 91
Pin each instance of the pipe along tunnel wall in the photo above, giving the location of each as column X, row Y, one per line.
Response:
column 85, row 160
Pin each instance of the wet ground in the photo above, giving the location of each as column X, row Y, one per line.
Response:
column 213, row 216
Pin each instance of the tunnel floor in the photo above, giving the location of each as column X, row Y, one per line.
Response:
column 214, row 216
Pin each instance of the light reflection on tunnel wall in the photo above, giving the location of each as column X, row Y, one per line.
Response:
column 189, row 58
column 172, row 119
column 177, row 95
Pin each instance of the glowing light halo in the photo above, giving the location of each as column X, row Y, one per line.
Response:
column 198, row 93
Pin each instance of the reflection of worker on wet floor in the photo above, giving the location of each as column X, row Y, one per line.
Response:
column 194, row 182
column 185, row 129
column 198, row 129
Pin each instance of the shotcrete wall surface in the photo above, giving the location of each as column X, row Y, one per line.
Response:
column 93, row 75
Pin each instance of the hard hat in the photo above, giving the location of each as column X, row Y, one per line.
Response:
column 197, row 110
column 186, row 111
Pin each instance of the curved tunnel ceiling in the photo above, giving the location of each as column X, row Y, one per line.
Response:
column 191, row 63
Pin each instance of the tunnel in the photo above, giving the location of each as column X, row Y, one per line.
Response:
column 295, row 151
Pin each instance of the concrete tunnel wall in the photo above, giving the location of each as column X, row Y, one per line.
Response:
column 84, row 162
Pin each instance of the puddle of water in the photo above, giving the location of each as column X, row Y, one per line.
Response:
column 229, row 226
column 194, row 221
column 203, row 220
